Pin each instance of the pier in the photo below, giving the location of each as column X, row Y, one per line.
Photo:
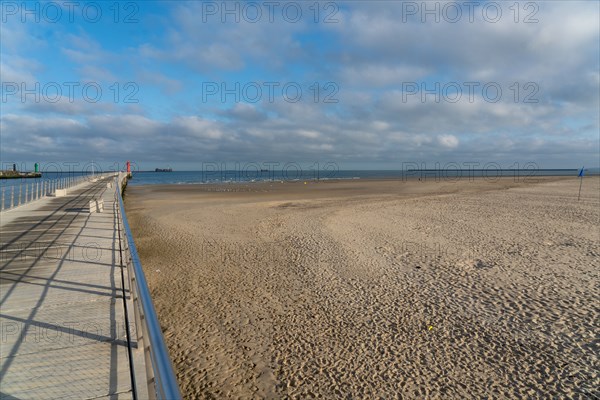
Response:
column 76, row 318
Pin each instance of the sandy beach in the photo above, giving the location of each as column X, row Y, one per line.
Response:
column 376, row 289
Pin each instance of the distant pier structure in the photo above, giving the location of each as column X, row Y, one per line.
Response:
column 14, row 173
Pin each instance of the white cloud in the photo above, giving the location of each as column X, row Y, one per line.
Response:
column 18, row 70
column 167, row 84
column 92, row 73
column 448, row 141
column 197, row 127
column 381, row 75
column 309, row 134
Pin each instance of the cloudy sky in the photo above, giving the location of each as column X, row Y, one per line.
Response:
column 362, row 84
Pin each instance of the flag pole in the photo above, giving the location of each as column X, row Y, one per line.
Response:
column 580, row 182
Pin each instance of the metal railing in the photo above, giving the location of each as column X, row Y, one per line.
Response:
column 25, row 192
column 161, row 380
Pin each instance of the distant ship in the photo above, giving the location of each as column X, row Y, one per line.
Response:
column 163, row 170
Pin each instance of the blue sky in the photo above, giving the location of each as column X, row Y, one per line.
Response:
column 381, row 83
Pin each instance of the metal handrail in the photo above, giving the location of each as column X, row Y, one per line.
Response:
column 164, row 380
column 39, row 189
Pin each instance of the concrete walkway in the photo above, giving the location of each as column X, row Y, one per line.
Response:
column 62, row 306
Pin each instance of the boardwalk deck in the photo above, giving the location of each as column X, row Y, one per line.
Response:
column 62, row 300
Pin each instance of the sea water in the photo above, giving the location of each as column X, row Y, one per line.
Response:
column 249, row 176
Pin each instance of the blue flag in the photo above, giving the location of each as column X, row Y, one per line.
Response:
column 580, row 173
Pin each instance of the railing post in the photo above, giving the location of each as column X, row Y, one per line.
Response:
column 2, row 205
column 12, row 196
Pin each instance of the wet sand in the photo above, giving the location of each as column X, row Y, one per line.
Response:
column 376, row 289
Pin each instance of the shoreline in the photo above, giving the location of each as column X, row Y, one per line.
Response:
column 518, row 181
column 428, row 177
